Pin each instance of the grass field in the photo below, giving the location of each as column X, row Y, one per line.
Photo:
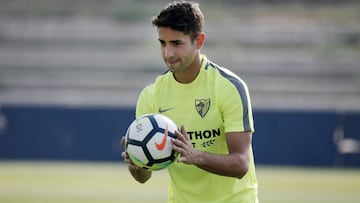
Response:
column 65, row 182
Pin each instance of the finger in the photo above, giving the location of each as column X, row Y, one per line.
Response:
column 179, row 135
column 181, row 159
column 123, row 141
column 178, row 146
column 133, row 166
column 124, row 155
column 183, row 131
column 128, row 161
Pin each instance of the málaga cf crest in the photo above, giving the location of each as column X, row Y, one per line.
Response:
column 202, row 106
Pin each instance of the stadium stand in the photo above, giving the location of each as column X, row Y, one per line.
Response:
column 99, row 61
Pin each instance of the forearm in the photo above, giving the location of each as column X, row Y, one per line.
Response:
column 232, row 165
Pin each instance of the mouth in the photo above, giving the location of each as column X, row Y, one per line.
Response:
column 172, row 62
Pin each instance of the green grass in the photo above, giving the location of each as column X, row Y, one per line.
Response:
column 299, row 185
column 63, row 182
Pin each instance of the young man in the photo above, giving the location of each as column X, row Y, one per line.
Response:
column 211, row 104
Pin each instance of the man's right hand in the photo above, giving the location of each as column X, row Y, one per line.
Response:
column 126, row 157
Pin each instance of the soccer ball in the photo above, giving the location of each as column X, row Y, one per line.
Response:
column 148, row 144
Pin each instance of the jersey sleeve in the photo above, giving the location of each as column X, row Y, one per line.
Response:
column 236, row 107
column 145, row 102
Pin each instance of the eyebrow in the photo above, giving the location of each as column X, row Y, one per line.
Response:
column 172, row 41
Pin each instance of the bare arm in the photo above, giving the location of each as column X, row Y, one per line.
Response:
column 139, row 174
column 234, row 164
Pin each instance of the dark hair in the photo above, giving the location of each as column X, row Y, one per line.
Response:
column 183, row 16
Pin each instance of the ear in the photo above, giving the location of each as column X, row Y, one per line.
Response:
column 200, row 40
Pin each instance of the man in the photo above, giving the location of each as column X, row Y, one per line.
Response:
column 211, row 104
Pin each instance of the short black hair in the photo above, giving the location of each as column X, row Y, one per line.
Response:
column 183, row 16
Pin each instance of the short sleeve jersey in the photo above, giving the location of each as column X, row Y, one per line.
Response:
column 215, row 103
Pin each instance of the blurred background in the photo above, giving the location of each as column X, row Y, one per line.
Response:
column 71, row 71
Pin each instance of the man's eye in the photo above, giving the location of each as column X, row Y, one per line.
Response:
column 162, row 43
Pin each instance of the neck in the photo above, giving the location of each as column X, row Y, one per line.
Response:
column 191, row 73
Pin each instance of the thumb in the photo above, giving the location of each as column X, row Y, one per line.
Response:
column 181, row 159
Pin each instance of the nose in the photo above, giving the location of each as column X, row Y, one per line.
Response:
column 168, row 52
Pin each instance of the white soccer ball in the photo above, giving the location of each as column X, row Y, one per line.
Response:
column 148, row 141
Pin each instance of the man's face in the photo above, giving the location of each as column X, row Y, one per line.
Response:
column 177, row 49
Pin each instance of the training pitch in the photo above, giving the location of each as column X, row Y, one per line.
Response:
column 90, row 182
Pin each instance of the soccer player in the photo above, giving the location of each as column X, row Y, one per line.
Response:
column 213, row 107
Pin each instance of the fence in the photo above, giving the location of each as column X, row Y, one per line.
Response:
column 299, row 138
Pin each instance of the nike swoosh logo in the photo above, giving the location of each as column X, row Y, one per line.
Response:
column 161, row 146
column 164, row 110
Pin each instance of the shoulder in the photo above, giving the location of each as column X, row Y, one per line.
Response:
column 159, row 82
column 226, row 78
column 147, row 98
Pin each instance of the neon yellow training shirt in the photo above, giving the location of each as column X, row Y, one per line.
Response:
column 216, row 102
